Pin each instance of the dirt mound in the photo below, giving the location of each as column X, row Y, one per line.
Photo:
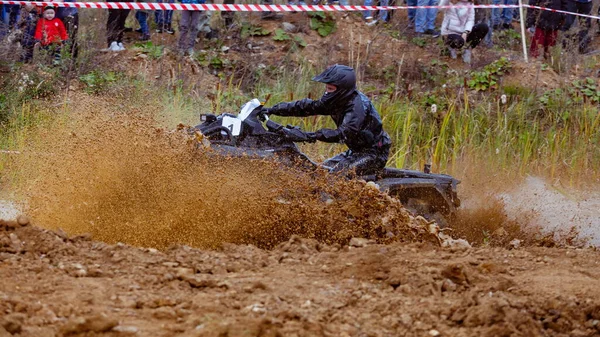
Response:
column 118, row 177
column 56, row 285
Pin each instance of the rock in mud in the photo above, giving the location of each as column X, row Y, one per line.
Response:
column 23, row 220
column 126, row 329
column 289, row 27
column 360, row 242
column 97, row 323
column 448, row 285
column 199, row 281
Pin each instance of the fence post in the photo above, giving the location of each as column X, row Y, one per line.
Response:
column 523, row 36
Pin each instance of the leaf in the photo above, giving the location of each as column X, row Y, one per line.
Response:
column 300, row 41
column 216, row 62
column 315, row 23
column 281, row 35
column 317, row 15
column 326, row 29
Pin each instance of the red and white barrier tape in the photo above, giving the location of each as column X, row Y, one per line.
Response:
column 229, row 7
column 560, row 11
column 254, row 7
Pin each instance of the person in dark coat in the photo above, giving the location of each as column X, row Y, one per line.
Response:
column 544, row 25
column 581, row 37
column 358, row 123
column 30, row 15
column 115, row 26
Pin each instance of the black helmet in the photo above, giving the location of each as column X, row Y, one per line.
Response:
column 341, row 76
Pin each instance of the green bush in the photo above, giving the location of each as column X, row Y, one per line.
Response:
column 98, row 81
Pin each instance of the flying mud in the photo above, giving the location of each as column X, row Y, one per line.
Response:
column 119, row 178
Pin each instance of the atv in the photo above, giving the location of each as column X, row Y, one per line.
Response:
column 252, row 133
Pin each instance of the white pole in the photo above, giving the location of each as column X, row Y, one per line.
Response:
column 523, row 37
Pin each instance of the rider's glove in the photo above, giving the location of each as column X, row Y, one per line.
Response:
column 311, row 137
column 265, row 111
column 319, row 135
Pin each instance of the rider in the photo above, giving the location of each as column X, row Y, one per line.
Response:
column 358, row 123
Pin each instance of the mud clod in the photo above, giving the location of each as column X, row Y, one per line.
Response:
column 97, row 323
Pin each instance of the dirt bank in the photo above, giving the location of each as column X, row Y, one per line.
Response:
column 55, row 285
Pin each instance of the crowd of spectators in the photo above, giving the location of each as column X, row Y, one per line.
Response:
column 463, row 27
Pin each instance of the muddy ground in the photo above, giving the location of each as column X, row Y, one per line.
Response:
column 56, row 285
column 89, row 263
column 109, row 190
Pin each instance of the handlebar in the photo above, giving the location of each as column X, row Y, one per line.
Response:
column 291, row 133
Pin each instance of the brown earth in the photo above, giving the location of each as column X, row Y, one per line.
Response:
column 56, row 285
column 368, row 269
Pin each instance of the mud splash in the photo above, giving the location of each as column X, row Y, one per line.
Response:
column 118, row 177
column 532, row 211
column 565, row 214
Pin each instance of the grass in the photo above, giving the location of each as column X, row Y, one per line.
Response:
column 556, row 136
column 523, row 136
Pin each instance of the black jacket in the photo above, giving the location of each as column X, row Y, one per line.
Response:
column 543, row 19
column 358, row 123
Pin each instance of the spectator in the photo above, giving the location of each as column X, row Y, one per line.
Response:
column 141, row 15
column 3, row 27
column 50, row 32
column 412, row 12
column 382, row 16
column 9, row 16
column 115, row 26
column 30, row 15
column 483, row 15
column 228, row 16
column 458, row 28
column 425, row 18
column 502, row 17
column 163, row 19
column 70, row 18
column 188, row 28
column 544, row 25
column 581, row 37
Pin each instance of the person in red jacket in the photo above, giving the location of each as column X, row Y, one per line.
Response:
column 50, row 33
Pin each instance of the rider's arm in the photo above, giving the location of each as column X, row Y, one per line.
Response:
column 302, row 108
column 349, row 128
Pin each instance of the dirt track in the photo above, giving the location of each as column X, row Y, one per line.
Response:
column 53, row 285
column 122, row 180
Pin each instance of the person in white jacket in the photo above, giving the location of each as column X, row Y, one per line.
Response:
column 458, row 28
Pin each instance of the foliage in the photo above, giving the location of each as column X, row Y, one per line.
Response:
column 323, row 23
column 489, row 76
column 419, row 41
column 563, row 99
column 300, row 41
column 506, row 39
column 251, row 30
column 153, row 51
column 213, row 59
column 589, row 89
column 281, row 35
column 3, row 108
column 37, row 84
column 98, row 81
